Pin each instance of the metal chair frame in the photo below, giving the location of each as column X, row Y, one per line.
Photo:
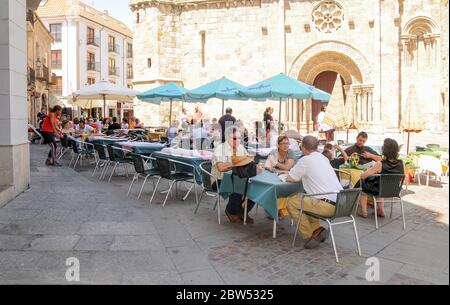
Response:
column 81, row 152
column 141, row 174
column 117, row 160
column 209, row 191
column 396, row 198
column 174, row 181
column 330, row 220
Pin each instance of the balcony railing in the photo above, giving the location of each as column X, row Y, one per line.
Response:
column 113, row 48
column 93, row 66
column 114, row 71
column 93, row 41
column 31, row 77
column 42, row 73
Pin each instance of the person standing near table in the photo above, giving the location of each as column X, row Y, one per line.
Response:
column 366, row 154
column 268, row 120
column 49, row 130
column 317, row 175
column 198, row 115
column 226, row 121
column 328, row 130
column 41, row 116
column 222, row 162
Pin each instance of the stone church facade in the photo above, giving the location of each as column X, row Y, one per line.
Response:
column 380, row 49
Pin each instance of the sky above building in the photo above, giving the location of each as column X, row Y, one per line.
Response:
column 117, row 8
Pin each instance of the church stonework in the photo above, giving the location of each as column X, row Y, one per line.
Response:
column 379, row 48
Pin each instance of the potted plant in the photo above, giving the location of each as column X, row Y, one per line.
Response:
column 410, row 164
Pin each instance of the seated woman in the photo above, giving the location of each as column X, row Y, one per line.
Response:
column 176, row 142
column 390, row 164
column 67, row 128
column 282, row 157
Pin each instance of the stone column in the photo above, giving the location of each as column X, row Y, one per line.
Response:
column 14, row 144
column 309, row 115
column 371, row 106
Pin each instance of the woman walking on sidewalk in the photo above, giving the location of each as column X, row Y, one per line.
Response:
column 49, row 130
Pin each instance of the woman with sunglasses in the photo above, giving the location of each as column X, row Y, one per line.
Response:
column 282, row 158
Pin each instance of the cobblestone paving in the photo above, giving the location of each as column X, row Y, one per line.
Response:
column 276, row 261
column 121, row 240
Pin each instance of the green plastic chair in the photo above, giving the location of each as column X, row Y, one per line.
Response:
column 346, row 204
column 210, row 187
column 390, row 188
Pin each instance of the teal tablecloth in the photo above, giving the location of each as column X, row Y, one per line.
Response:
column 264, row 189
column 195, row 161
column 144, row 148
column 107, row 141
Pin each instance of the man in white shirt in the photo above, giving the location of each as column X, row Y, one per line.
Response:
column 317, row 175
column 222, row 162
column 84, row 128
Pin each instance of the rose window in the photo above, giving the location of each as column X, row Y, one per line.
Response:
column 328, row 16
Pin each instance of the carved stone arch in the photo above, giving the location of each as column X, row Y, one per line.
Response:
column 331, row 55
column 420, row 25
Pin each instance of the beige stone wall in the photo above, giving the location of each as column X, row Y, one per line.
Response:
column 245, row 42
column 38, row 37
column 444, row 53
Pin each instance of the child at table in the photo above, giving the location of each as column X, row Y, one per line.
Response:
column 329, row 151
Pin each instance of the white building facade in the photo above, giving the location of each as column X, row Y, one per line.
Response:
column 89, row 46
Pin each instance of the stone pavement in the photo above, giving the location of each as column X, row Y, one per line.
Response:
column 120, row 240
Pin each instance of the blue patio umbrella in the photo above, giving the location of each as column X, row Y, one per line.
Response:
column 280, row 87
column 167, row 92
column 222, row 88
column 318, row 94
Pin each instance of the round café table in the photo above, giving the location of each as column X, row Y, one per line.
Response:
column 355, row 173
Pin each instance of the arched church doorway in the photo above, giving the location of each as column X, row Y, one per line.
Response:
column 319, row 65
column 324, row 81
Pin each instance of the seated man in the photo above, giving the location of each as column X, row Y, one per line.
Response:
column 222, row 162
column 317, row 175
column 366, row 154
column 83, row 128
